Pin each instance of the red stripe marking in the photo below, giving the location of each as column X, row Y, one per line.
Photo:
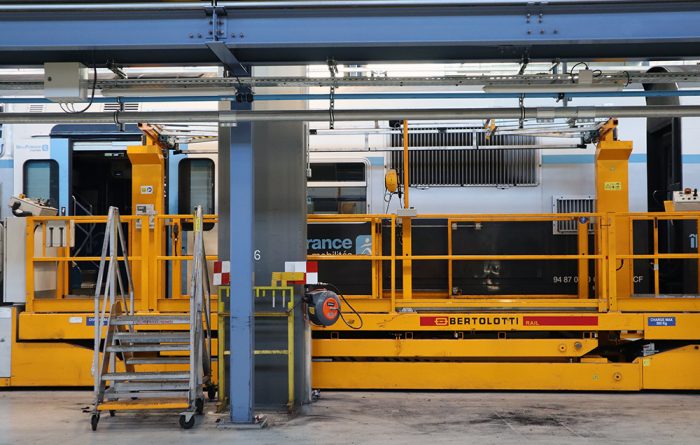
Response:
column 560, row 320
column 434, row 321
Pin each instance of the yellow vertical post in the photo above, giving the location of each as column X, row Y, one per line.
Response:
column 612, row 265
column 380, row 263
column 66, row 268
column 393, row 263
column 221, row 344
column 144, row 264
column 601, row 275
column 375, row 269
column 406, row 243
column 583, row 262
column 656, row 257
column 29, row 265
column 612, row 197
column 290, row 348
column 449, row 260
column 147, row 196
column 176, row 265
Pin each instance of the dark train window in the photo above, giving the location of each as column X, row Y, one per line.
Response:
column 41, row 180
column 196, row 185
column 341, row 171
column 337, row 187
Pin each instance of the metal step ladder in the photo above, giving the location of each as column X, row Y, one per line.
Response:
column 142, row 343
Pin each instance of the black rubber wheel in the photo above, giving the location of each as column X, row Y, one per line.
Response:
column 94, row 420
column 211, row 392
column 112, row 413
column 199, row 406
column 184, row 423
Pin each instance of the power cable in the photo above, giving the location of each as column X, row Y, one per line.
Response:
column 70, row 109
column 340, row 312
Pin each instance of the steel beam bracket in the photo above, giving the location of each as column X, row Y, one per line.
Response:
column 216, row 42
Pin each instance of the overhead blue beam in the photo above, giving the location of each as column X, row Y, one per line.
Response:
column 632, row 29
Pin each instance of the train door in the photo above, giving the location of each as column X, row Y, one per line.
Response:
column 100, row 177
column 192, row 182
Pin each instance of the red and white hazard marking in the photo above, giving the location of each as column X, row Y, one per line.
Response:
column 222, row 273
column 308, row 268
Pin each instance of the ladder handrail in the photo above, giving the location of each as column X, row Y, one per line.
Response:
column 113, row 236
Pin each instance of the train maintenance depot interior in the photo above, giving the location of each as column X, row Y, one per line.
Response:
column 356, row 221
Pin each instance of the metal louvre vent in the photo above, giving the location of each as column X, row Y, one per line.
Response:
column 36, row 108
column 571, row 204
column 131, row 106
column 469, row 167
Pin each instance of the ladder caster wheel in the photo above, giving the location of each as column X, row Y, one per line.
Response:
column 186, row 424
column 199, row 406
column 94, row 420
column 112, row 413
column 211, row 392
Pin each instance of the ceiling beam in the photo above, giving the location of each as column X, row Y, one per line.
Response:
column 354, row 33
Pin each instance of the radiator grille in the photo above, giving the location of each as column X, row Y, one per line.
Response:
column 469, row 167
column 571, row 204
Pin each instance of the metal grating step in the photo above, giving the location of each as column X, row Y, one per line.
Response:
column 149, row 320
column 148, row 348
column 115, row 395
column 131, row 387
column 144, row 404
column 153, row 337
column 158, row 360
column 146, row 376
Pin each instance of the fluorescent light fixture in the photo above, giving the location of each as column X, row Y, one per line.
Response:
column 167, row 92
column 554, row 88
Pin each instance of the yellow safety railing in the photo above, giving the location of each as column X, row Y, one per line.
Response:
column 48, row 248
column 654, row 255
column 167, row 299
column 52, row 247
column 378, row 258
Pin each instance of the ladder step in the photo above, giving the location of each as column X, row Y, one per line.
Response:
column 131, row 387
column 144, row 394
column 146, row 376
column 153, row 337
column 149, row 319
column 148, row 348
column 143, row 404
column 158, row 360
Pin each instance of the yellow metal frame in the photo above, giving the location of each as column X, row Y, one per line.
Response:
column 148, row 265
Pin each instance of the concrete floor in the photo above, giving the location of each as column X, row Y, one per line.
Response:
column 43, row 417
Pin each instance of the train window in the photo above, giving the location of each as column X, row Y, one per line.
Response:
column 337, row 200
column 41, row 180
column 196, row 185
column 337, row 171
column 337, row 188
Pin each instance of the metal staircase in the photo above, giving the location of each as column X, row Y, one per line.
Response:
column 150, row 361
